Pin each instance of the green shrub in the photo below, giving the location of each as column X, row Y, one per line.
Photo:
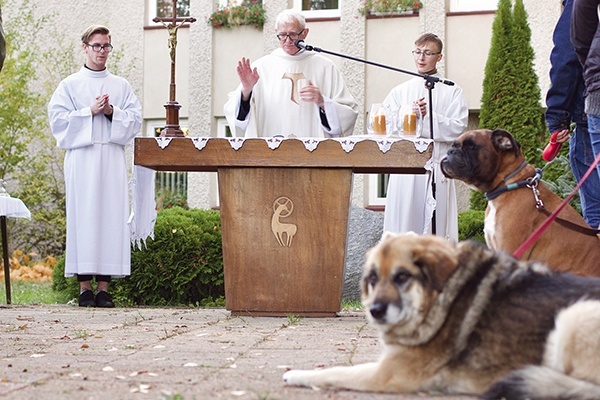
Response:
column 470, row 225
column 183, row 265
column 68, row 287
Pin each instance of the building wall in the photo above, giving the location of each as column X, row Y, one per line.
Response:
column 387, row 41
column 124, row 19
column 206, row 57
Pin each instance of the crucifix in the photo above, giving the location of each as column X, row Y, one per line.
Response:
column 173, row 24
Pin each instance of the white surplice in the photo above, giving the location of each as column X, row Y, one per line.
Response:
column 98, row 238
column 409, row 204
column 275, row 106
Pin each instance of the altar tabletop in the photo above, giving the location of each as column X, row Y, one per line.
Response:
column 362, row 154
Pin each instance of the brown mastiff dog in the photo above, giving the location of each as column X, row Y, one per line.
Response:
column 518, row 203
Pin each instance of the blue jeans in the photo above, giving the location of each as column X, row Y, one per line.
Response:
column 584, row 148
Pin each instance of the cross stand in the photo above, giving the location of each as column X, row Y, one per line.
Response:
column 172, row 128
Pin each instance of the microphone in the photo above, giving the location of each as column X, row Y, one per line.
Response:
column 301, row 45
column 447, row 82
column 432, row 79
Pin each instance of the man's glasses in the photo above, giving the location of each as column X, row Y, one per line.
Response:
column 426, row 53
column 293, row 36
column 96, row 47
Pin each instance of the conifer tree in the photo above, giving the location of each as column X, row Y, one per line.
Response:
column 499, row 78
column 527, row 125
column 511, row 94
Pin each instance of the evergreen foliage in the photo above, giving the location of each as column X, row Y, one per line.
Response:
column 470, row 225
column 499, row 78
column 528, row 126
column 511, row 94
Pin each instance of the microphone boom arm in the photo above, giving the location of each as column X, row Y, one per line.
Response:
column 429, row 78
column 430, row 82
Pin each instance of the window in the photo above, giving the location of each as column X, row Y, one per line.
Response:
column 473, row 5
column 164, row 9
column 378, row 184
column 318, row 8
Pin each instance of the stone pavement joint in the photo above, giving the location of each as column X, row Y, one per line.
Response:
column 68, row 352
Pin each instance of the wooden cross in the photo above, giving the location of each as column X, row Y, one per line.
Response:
column 173, row 24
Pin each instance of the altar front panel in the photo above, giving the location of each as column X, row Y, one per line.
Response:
column 284, row 239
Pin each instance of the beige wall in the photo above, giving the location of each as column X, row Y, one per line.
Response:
column 389, row 41
column 466, row 53
column 206, row 57
column 157, row 72
column 235, row 42
column 124, row 19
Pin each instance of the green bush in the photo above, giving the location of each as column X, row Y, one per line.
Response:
column 470, row 225
column 183, row 265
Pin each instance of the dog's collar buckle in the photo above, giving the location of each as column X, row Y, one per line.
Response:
column 532, row 184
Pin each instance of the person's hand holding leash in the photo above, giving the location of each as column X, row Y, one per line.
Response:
column 553, row 147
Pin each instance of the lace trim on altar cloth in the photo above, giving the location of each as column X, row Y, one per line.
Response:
column 347, row 143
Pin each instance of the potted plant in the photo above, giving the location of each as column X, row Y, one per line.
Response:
column 249, row 12
column 388, row 7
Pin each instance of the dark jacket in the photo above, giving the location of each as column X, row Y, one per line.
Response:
column 586, row 39
column 565, row 96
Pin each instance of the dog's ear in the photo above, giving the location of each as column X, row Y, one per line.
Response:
column 504, row 141
column 437, row 266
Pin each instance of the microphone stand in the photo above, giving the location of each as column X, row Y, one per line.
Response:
column 430, row 82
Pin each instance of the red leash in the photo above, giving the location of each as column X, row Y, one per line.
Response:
column 538, row 232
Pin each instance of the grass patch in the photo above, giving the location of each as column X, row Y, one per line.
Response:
column 31, row 292
column 352, row 305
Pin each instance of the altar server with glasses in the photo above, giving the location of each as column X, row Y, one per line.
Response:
column 93, row 116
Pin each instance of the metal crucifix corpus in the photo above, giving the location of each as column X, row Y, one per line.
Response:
column 173, row 24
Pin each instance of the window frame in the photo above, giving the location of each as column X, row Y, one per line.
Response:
column 472, row 5
column 374, row 200
column 336, row 13
column 152, row 10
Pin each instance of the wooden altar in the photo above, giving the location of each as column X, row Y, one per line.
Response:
column 284, row 211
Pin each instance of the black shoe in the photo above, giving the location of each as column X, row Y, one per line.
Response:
column 104, row 300
column 86, row 299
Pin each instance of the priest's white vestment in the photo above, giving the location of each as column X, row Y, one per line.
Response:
column 275, row 105
column 409, row 203
column 95, row 167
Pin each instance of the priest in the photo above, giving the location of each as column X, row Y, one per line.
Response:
column 290, row 92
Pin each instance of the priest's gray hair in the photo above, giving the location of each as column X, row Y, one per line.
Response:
column 92, row 30
column 290, row 16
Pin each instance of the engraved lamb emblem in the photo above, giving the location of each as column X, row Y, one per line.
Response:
column 284, row 232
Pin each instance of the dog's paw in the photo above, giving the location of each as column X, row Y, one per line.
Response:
column 298, row 378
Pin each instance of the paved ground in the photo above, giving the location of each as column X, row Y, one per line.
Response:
column 66, row 352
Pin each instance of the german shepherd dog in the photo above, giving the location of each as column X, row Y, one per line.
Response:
column 464, row 319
